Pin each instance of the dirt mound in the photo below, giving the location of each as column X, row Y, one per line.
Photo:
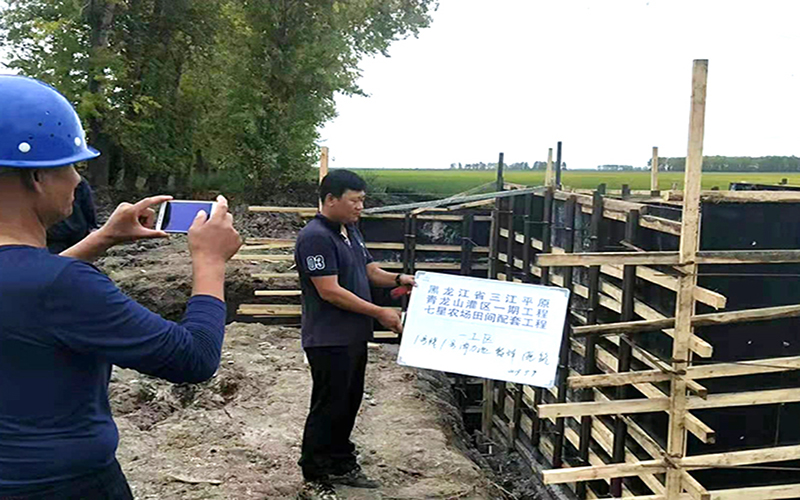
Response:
column 238, row 435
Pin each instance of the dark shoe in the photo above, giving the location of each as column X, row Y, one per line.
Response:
column 355, row 478
column 317, row 490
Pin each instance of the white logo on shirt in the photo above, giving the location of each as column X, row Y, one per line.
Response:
column 315, row 263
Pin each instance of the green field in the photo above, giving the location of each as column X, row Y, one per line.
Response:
column 448, row 182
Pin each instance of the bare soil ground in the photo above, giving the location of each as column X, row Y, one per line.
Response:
column 238, row 435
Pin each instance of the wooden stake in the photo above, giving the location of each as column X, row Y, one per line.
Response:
column 654, row 173
column 563, row 358
column 548, row 175
column 684, row 308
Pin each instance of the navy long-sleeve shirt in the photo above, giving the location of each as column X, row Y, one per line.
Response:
column 63, row 324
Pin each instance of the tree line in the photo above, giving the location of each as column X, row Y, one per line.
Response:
column 175, row 87
column 537, row 165
column 733, row 164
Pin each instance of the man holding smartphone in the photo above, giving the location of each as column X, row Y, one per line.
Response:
column 336, row 271
column 63, row 323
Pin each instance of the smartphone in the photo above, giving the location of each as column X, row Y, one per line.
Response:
column 177, row 216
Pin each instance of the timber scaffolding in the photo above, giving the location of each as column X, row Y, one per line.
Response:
column 628, row 416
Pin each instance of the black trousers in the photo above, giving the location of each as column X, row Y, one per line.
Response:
column 106, row 484
column 338, row 378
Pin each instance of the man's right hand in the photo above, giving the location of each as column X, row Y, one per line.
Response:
column 214, row 240
column 391, row 319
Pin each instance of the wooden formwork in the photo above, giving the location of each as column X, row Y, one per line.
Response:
column 631, row 358
column 590, row 429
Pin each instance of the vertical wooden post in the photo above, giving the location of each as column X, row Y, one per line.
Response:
column 547, row 247
column 547, row 240
column 323, row 167
column 558, row 165
column 626, row 191
column 412, row 245
column 494, row 251
column 467, row 242
column 625, row 351
column 512, row 236
column 654, row 173
column 500, row 182
column 590, row 361
column 548, row 174
column 684, row 308
column 601, row 188
column 527, row 248
column 563, row 357
column 406, row 242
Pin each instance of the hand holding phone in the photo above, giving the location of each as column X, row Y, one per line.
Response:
column 177, row 216
column 131, row 222
column 213, row 239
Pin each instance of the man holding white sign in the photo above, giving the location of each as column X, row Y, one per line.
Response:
column 485, row 328
column 336, row 271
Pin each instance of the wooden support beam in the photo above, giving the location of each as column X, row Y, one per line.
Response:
column 302, row 211
column 600, row 258
column 693, row 487
column 685, row 304
column 783, row 491
column 703, row 295
column 654, row 171
column 451, row 201
column 661, row 225
column 277, row 293
column 739, row 196
column 670, row 258
column 548, row 173
column 264, row 257
column 724, row 318
column 630, row 406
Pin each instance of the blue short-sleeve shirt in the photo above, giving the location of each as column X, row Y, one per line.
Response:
column 322, row 250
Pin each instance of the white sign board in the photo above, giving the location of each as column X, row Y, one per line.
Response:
column 485, row 328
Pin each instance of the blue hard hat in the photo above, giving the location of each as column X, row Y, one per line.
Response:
column 38, row 126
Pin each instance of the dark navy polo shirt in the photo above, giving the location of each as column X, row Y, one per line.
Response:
column 322, row 250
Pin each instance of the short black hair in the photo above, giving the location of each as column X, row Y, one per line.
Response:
column 339, row 181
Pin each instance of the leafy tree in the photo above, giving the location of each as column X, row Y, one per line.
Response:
column 168, row 86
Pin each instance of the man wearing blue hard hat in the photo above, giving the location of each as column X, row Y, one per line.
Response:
column 63, row 323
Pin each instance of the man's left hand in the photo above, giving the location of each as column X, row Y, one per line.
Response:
column 133, row 222
column 407, row 280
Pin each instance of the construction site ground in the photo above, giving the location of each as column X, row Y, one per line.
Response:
column 238, row 436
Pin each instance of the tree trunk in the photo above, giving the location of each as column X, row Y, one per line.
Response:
column 101, row 17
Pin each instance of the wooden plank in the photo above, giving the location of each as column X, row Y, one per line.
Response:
column 747, row 257
column 303, row 211
column 451, row 201
column 277, row 293
column 264, row 258
column 600, row 258
column 661, row 225
column 717, row 370
column 431, row 266
column 548, row 173
column 708, row 297
column 574, row 474
column 472, row 204
column 657, row 403
column 654, row 171
column 740, row 196
column 685, row 305
column 277, row 310
column 743, row 316
column 693, row 487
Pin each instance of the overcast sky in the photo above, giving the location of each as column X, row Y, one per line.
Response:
column 611, row 79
